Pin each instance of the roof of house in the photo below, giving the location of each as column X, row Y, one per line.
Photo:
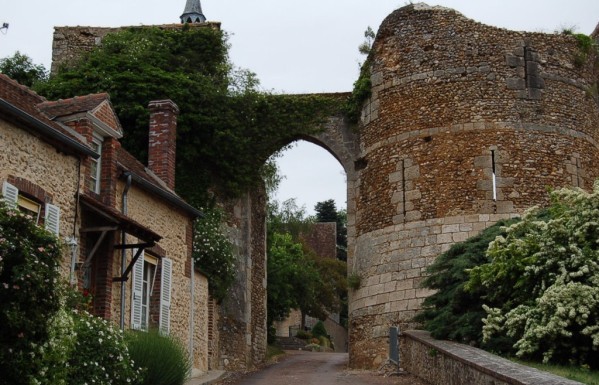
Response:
column 19, row 103
column 39, row 116
column 98, row 105
column 146, row 179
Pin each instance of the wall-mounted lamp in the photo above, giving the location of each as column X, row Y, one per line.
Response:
column 72, row 243
column 4, row 28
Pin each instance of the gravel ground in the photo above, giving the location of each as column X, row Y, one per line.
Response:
column 307, row 368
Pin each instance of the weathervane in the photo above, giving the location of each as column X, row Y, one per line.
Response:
column 4, row 28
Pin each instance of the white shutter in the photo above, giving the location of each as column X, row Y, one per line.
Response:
column 10, row 194
column 52, row 220
column 165, row 296
column 137, row 284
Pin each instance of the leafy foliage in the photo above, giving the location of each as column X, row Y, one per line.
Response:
column 551, row 268
column 292, row 279
column 213, row 253
column 287, row 218
column 29, row 282
column 362, row 86
column 163, row 359
column 452, row 312
column 330, row 292
column 226, row 128
column 21, row 68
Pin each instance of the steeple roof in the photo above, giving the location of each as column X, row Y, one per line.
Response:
column 193, row 12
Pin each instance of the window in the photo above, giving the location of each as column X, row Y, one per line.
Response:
column 95, row 166
column 143, row 287
column 13, row 198
column 149, row 277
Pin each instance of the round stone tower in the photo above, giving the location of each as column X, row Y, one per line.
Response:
column 467, row 124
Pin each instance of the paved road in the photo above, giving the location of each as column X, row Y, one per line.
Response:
column 308, row 368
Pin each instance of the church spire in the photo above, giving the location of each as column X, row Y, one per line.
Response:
column 193, row 12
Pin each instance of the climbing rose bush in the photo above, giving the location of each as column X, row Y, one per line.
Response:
column 549, row 272
column 213, row 253
column 30, row 301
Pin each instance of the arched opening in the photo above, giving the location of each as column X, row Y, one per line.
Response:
column 311, row 175
column 307, row 238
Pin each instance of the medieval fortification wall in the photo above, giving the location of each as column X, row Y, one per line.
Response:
column 455, row 103
column 467, row 124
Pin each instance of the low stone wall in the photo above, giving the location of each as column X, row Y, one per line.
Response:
column 450, row 363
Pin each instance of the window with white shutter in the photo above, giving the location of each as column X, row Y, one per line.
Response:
column 165, row 296
column 52, row 219
column 137, row 291
column 10, row 194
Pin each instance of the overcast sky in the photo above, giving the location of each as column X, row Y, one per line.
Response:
column 293, row 46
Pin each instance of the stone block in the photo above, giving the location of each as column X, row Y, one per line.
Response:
column 460, row 237
column 413, row 216
column 505, row 207
column 466, row 227
column 453, row 228
column 515, row 84
column 395, row 177
column 444, row 238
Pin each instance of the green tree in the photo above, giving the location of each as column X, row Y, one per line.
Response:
column 292, row 279
column 21, row 68
column 287, row 218
column 542, row 280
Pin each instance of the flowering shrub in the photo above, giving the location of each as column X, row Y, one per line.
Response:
column 100, row 354
column 213, row 253
column 29, row 261
column 546, row 274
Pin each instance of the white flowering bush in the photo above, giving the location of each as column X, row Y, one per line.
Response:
column 213, row 253
column 545, row 275
column 100, row 354
column 29, row 299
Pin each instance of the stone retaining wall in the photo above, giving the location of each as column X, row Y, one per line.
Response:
column 450, row 363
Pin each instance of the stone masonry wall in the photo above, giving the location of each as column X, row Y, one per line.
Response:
column 38, row 169
column 172, row 224
column 242, row 315
column 450, row 363
column 467, row 124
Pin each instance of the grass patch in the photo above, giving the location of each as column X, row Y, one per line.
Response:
column 586, row 376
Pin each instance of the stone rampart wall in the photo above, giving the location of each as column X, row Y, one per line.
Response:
column 467, row 124
column 71, row 43
column 450, row 363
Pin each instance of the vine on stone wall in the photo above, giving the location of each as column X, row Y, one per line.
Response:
column 227, row 127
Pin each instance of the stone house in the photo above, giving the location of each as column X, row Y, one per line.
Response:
column 129, row 235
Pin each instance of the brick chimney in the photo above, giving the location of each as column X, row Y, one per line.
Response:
column 163, row 140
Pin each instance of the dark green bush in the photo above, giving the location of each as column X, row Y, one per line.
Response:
column 319, row 330
column 163, row 359
column 452, row 312
column 303, row 335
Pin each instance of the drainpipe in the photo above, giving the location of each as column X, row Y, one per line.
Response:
column 72, row 240
column 124, row 251
column 191, row 320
